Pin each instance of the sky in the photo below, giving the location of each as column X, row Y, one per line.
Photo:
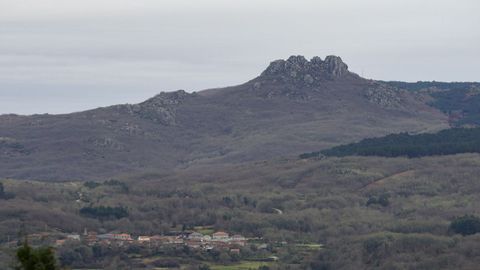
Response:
column 60, row 56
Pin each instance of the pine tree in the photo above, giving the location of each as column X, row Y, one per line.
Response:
column 36, row 258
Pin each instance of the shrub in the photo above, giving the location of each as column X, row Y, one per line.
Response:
column 380, row 200
column 466, row 225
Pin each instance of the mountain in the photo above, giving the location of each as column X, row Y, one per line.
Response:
column 294, row 106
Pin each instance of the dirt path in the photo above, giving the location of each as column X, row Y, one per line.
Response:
column 380, row 182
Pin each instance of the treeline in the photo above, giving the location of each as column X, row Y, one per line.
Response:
column 446, row 142
column 104, row 212
column 122, row 186
column 462, row 105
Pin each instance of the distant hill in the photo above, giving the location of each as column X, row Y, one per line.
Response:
column 294, row 105
column 445, row 142
column 459, row 100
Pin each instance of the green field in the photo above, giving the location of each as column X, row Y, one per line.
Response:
column 310, row 246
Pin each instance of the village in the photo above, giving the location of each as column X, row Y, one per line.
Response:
column 219, row 240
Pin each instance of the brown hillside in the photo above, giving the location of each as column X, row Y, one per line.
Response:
column 294, row 106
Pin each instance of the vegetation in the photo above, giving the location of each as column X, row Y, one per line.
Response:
column 323, row 223
column 3, row 194
column 460, row 100
column 462, row 105
column 466, row 225
column 42, row 258
column 113, row 183
column 445, row 142
column 104, row 212
column 380, row 200
column 243, row 265
column 416, row 86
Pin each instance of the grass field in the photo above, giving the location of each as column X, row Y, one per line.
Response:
column 311, row 246
column 205, row 230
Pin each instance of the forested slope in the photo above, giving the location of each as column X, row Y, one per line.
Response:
column 445, row 142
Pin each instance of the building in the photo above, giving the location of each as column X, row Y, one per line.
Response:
column 220, row 236
column 59, row 243
column 123, row 237
column 238, row 240
column 75, row 237
column 235, row 251
column 115, row 237
column 195, row 236
column 91, row 238
column 143, row 239
column 193, row 243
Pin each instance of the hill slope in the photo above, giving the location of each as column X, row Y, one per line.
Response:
column 445, row 142
column 294, row 106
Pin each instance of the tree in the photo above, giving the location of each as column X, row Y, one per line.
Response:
column 381, row 200
column 41, row 258
column 466, row 225
column 5, row 195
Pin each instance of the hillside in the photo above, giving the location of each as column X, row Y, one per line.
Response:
column 294, row 106
column 459, row 100
column 445, row 142
column 331, row 202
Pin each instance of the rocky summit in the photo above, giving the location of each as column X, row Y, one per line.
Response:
column 292, row 107
column 299, row 69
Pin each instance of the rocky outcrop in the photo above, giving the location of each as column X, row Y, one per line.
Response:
column 383, row 95
column 297, row 78
column 299, row 70
column 161, row 108
column 335, row 66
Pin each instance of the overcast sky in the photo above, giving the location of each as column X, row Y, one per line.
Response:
column 61, row 56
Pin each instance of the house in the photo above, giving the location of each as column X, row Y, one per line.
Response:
column 220, row 236
column 105, row 236
column 143, row 239
column 116, row 237
column 122, row 237
column 238, row 240
column 235, row 251
column 207, row 238
column 195, row 236
column 238, row 237
column 60, row 242
column 75, row 237
column 220, row 244
column 91, row 238
column 167, row 239
column 193, row 243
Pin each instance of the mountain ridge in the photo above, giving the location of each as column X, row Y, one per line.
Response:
column 292, row 107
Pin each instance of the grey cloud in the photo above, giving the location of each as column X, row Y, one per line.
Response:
column 75, row 55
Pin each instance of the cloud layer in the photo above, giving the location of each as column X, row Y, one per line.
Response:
column 62, row 55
